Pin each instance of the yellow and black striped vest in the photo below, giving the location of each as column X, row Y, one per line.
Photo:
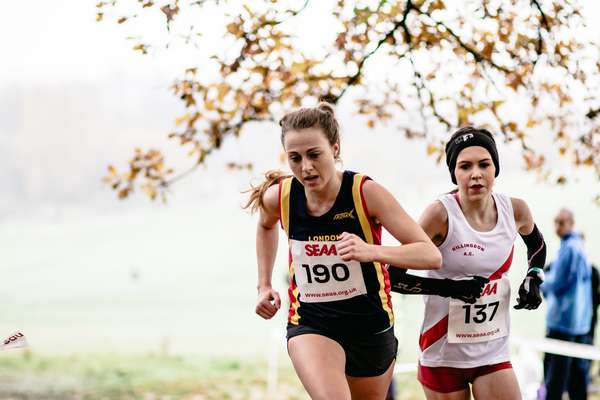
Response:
column 366, row 313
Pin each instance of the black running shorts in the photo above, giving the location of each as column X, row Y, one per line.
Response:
column 366, row 355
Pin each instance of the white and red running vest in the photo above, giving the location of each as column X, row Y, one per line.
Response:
column 460, row 335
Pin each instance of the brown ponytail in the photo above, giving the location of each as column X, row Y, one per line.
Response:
column 255, row 202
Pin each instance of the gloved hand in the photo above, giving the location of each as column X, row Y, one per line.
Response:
column 467, row 290
column 529, row 292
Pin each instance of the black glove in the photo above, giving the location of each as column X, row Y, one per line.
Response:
column 467, row 290
column 529, row 292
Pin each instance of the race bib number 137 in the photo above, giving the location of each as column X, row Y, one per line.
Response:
column 321, row 275
column 485, row 320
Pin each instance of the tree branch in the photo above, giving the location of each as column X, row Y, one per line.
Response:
column 478, row 57
column 168, row 183
column 593, row 113
column 415, row 83
column 546, row 25
column 352, row 80
column 292, row 14
column 231, row 129
column 407, row 36
column 419, row 78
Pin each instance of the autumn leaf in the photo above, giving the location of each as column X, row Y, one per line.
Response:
column 170, row 11
column 233, row 28
column 141, row 47
column 463, row 116
column 488, row 50
column 589, row 161
column 436, row 5
column 182, row 119
column 150, row 190
column 123, row 193
column 431, row 149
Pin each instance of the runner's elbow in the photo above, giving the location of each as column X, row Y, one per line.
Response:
column 435, row 258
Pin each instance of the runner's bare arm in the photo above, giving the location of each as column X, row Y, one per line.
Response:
column 416, row 251
column 523, row 217
column 267, row 237
column 434, row 222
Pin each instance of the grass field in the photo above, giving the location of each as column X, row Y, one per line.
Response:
column 27, row 376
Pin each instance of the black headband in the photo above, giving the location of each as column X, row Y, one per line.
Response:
column 468, row 139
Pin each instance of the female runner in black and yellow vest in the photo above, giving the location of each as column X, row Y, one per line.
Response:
column 340, row 297
column 340, row 326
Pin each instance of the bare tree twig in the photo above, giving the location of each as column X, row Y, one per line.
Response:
column 478, row 57
column 169, row 182
column 352, row 80
column 546, row 25
column 415, row 81
column 593, row 113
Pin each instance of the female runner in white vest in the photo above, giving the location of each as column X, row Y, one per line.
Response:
column 475, row 229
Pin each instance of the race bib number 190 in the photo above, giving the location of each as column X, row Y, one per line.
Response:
column 321, row 275
column 485, row 320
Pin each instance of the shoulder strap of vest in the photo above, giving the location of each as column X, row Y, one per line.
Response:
column 285, row 186
column 505, row 210
column 451, row 203
column 361, row 207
